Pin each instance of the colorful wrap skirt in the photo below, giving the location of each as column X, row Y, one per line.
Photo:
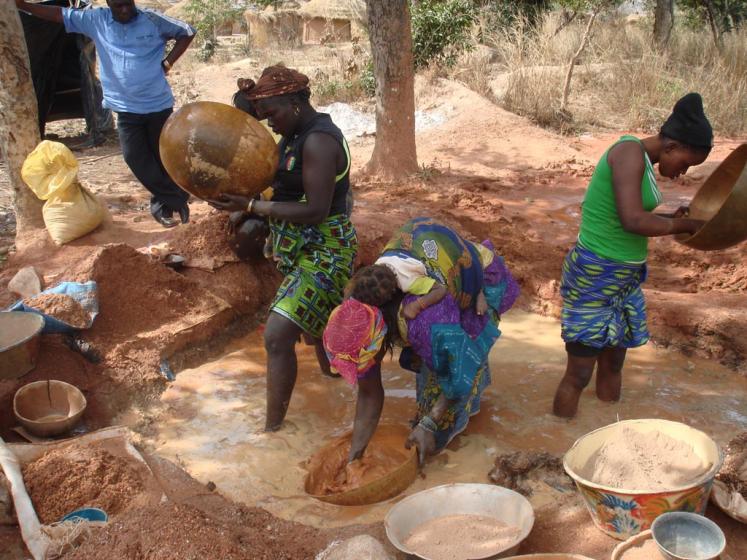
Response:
column 603, row 304
column 317, row 262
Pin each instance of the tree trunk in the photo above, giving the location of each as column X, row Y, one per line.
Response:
column 712, row 13
column 19, row 124
column 577, row 55
column 394, row 154
column 663, row 23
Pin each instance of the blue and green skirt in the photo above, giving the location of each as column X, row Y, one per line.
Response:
column 603, row 304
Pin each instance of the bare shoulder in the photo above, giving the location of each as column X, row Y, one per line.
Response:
column 628, row 154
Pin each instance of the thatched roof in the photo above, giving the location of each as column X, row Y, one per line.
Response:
column 334, row 9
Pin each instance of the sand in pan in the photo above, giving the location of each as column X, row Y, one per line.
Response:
column 650, row 462
column 461, row 537
column 648, row 550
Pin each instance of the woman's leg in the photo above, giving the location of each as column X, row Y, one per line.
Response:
column 609, row 374
column 578, row 372
column 281, row 335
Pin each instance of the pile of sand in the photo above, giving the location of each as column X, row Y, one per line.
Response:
column 460, row 537
column 648, row 550
column 205, row 242
column 60, row 306
column 733, row 473
column 64, row 480
column 172, row 531
column 650, row 462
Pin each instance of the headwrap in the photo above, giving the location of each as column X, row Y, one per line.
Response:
column 688, row 123
column 275, row 80
column 354, row 335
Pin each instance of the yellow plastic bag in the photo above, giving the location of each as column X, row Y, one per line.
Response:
column 70, row 210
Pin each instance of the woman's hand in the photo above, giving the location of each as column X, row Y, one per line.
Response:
column 424, row 440
column 691, row 225
column 230, row 203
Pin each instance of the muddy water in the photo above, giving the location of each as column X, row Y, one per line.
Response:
column 213, row 415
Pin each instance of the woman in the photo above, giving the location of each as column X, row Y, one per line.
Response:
column 447, row 334
column 604, row 312
column 313, row 241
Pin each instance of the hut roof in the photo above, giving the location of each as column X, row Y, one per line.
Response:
column 334, row 9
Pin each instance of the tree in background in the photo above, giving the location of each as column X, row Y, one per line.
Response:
column 19, row 124
column 595, row 6
column 394, row 154
column 208, row 16
column 663, row 23
column 722, row 16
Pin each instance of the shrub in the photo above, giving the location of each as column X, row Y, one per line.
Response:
column 441, row 31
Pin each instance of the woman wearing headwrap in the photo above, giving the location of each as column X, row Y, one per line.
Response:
column 604, row 312
column 446, row 341
column 313, row 241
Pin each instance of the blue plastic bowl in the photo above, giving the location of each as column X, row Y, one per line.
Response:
column 86, row 514
column 688, row 536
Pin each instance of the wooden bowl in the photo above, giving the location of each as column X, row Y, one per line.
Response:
column 48, row 408
column 212, row 148
column 722, row 203
column 384, row 488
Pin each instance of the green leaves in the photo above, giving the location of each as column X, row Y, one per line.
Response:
column 441, row 31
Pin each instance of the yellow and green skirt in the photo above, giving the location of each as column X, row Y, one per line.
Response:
column 317, row 262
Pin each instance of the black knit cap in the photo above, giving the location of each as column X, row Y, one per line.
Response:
column 688, row 123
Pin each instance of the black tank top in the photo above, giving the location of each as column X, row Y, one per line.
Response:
column 288, row 183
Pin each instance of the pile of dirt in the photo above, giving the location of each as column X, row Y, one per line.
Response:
column 60, row 306
column 146, row 310
column 522, row 469
column 64, row 480
column 733, row 472
column 204, row 242
column 171, row 530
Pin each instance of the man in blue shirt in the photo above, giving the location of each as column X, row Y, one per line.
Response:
column 130, row 44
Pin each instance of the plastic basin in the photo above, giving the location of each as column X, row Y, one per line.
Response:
column 722, row 202
column 19, row 342
column 503, row 504
column 622, row 513
column 48, row 410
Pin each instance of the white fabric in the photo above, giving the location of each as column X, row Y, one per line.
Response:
column 406, row 269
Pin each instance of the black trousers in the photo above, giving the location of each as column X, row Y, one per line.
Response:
column 138, row 135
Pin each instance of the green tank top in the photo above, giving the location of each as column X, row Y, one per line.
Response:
column 601, row 230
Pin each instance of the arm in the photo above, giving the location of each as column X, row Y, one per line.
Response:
column 437, row 293
column 181, row 45
column 367, row 411
column 628, row 166
column 423, row 434
column 49, row 13
column 320, row 154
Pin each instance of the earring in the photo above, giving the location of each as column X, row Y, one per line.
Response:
column 297, row 111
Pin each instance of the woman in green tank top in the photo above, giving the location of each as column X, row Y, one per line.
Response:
column 604, row 312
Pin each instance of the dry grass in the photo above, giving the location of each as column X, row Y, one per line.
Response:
column 622, row 82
